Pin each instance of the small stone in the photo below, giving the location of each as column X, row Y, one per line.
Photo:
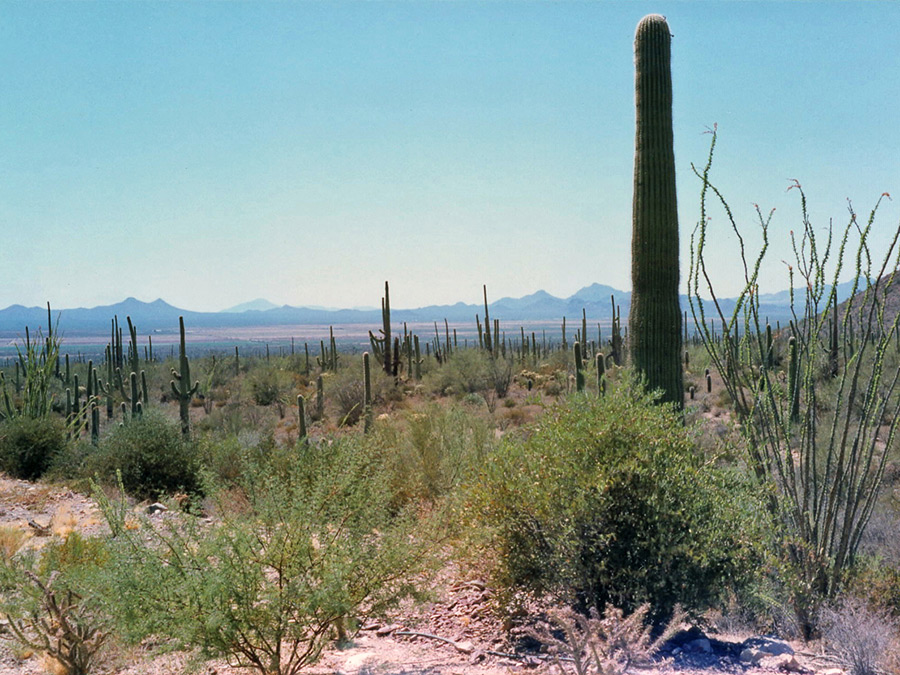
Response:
column 478, row 584
column 372, row 625
column 830, row 671
column 789, row 664
column 156, row 507
column 465, row 646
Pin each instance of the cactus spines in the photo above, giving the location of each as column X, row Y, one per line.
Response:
column 181, row 385
column 655, row 318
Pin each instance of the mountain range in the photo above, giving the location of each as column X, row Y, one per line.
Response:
column 160, row 317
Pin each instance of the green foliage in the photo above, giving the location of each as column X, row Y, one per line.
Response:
column 151, row 455
column 431, row 452
column 817, row 439
column 269, row 384
column 608, row 500
column 37, row 361
column 30, row 445
column 471, row 371
column 46, row 604
column 313, row 543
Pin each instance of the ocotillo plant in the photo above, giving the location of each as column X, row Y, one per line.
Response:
column 181, row 385
column 655, row 318
column 819, row 444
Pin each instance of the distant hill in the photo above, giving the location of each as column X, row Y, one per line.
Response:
column 158, row 316
column 258, row 305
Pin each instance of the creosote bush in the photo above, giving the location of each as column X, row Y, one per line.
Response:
column 151, row 455
column 431, row 452
column 29, row 445
column 608, row 501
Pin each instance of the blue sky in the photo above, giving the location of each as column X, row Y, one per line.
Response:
column 210, row 153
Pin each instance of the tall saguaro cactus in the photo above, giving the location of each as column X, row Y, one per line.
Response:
column 182, row 389
column 655, row 319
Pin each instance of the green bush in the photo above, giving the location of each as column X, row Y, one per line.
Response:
column 29, row 445
column 293, row 554
column 430, row 452
column 607, row 500
column 471, row 371
column 269, row 384
column 151, row 455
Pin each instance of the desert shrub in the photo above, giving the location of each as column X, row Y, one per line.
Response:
column 151, row 455
column 466, row 372
column 268, row 385
column 431, row 452
column 310, row 547
column 47, row 605
column 865, row 640
column 607, row 500
column 347, row 389
column 29, row 445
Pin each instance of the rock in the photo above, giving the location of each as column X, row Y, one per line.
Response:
column 372, row 625
column 701, row 645
column 478, row 584
column 156, row 507
column 789, row 664
column 751, row 656
column 769, row 646
column 465, row 646
column 831, row 671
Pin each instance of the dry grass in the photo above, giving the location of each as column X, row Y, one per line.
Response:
column 12, row 538
column 865, row 640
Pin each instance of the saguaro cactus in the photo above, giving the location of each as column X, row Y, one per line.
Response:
column 655, row 319
column 182, row 389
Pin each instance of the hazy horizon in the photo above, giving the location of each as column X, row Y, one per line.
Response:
column 214, row 153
